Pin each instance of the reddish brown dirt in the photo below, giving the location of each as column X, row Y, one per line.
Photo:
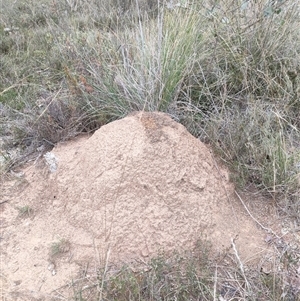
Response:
column 138, row 186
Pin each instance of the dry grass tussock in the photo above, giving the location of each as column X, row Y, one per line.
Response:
column 228, row 70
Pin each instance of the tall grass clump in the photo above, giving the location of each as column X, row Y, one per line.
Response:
column 248, row 88
column 143, row 67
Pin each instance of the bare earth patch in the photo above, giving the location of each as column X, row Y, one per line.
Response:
column 138, row 186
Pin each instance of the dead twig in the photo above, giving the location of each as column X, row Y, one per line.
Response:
column 261, row 225
column 241, row 266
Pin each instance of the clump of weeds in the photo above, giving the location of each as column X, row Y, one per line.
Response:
column 59, row 247
column 25, row 211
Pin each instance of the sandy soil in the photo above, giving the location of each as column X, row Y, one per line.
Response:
column 138, row 186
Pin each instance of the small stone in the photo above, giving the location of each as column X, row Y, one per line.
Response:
column 51, row 267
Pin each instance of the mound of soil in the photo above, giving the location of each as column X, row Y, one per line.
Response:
column 136, row 187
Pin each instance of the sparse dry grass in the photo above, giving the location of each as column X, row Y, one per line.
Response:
column 25, row 211
column 228, row 71
column 196, row 274
column 58, row 248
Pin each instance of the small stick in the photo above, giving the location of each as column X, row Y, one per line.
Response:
column 240, row 263
column 215, row 283
column 262, row 226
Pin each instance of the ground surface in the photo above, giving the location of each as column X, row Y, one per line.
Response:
column 138, row 186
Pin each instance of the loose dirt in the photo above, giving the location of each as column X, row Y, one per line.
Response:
column 136, row 187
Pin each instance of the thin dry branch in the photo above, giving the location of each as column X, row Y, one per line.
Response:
column 261, row 225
